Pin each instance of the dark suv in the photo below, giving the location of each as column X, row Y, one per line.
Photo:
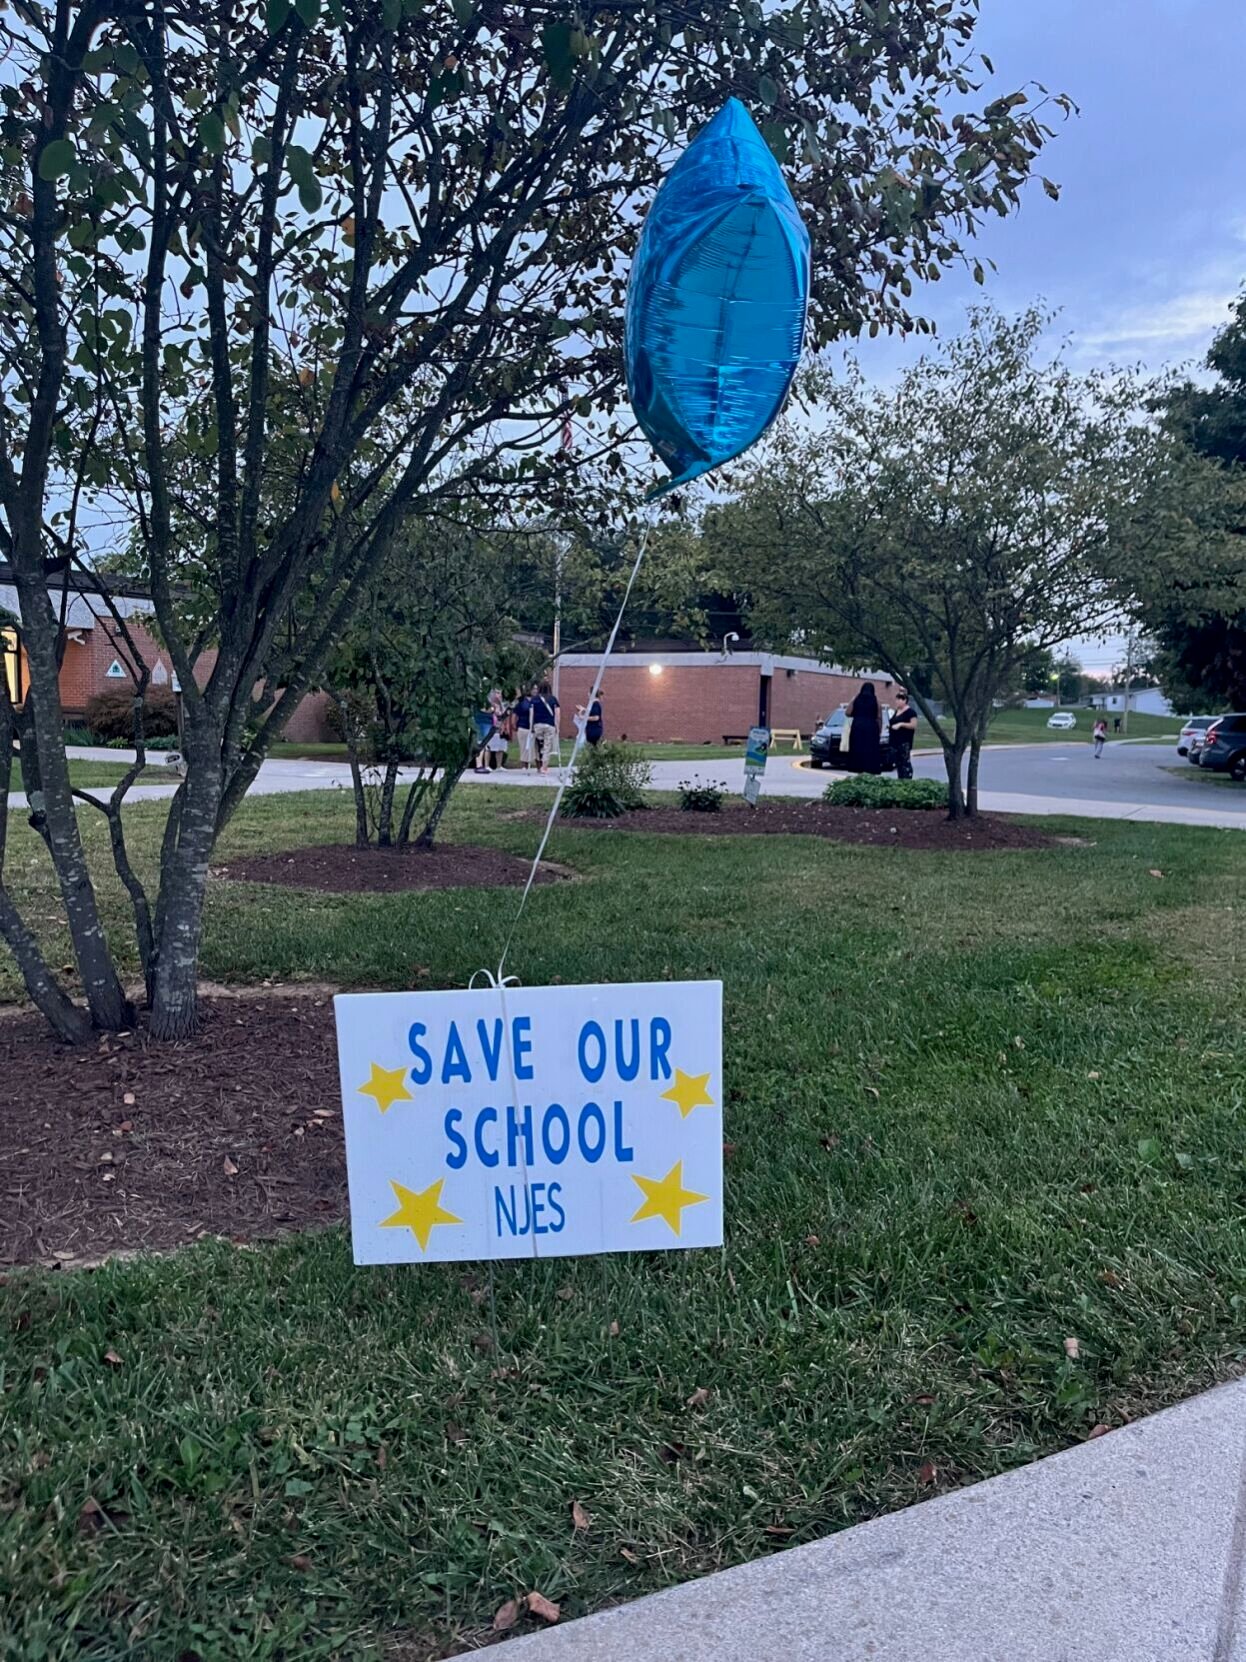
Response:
column 1224, row 748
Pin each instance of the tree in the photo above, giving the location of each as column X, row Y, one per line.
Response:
column 1069, row 682
column 1197, row 616
column 362, row 257
column 991, row 505
column 433, row 634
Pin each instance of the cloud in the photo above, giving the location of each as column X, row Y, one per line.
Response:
column 1183, row 319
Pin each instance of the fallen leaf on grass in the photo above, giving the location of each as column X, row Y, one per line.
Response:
column 506, row 1616
column 229, row 1168
column 579, row 1517
column 728, row 1150
column 626, row 1552
column 565, row 1294
column 91, row 1517
column 299, row 1561
column 779, row 1531
column 1155, row 872
column 546, row 1609
column 1072, row 1349
column 1097, row 1431
column 927, row 1473
column 113, row 1360
column 1110, row 1278
column 455, row 1434
column 669, row 1453
column 699, row 1397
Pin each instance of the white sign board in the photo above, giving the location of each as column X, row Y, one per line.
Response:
column 532, row 1122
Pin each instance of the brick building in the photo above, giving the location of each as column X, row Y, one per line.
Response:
column 95, row 649
column 706, row 697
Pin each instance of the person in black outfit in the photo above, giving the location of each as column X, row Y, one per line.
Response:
column 865, row 736
column 594, row 724
column 903, row 732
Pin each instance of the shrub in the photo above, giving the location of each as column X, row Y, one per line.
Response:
column 609, row 780
column 109, row 714
column 701, row 799
column 166, row 741
column 76, row 734
column 866, row 790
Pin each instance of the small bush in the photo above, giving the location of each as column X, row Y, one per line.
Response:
column 110, row 714
column 76, row 734
column 609, row 780
column 167, row 741
column 701, row 799
column 867, row 790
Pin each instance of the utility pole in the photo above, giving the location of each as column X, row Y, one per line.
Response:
column 1130, row 642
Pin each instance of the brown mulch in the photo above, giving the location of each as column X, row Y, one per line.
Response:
column 341, row 868
column 794, row 816
column 127, row 1145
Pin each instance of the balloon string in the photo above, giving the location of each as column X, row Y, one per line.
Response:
column 575, row 751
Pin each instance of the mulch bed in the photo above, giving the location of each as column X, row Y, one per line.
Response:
column 129, row 1145
column 341, row 868
column 793, row 816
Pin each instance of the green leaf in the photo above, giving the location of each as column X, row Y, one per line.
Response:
column 1149, row 1150
column 299, row 165
column 275, row 15
column 768, row 91
column 464, row 10
column 1052, row 189
column 559, row 60
column 311, row 196
column 57, row 159
column 979, row 276
column 309, row 12
column 261, row 150
column 391, row 14
column 212, row 133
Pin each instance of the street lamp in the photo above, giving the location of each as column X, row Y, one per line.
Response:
column 655, row 669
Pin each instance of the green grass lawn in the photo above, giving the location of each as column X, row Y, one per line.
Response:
column 1030, row 727
column 85, row 775
column 978, row 1105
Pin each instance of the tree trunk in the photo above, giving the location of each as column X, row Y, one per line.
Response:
column 385, row 819
column 64, row 1017
column 449, row 780
column 953, row 761
column 971, row 785
column 52, row 813
column 416, row 792
column 183, row 885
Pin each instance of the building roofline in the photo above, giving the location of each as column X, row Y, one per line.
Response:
column 765, row 662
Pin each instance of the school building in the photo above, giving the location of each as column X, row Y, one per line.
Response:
column 708, row 697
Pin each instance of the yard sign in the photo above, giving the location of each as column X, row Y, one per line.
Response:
column 532, row 1122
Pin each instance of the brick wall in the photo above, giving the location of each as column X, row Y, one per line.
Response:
column 703, row 703
column 695, row 703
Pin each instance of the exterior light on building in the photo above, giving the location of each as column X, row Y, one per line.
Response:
column 655, row 669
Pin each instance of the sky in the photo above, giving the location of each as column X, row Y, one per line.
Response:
column 1147, row 244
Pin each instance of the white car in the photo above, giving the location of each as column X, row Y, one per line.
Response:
column 1192, row 735
column 1062, row 720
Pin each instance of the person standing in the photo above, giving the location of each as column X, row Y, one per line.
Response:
column 865, row 735
column 523, row 724
column 903, row 732
column 544, row 724
column 594, row 722
column 1100, row 736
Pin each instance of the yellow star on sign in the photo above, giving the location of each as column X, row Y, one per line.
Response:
column 419, row 1213
column 689, row 1092
column 387, row 1085
column 665, row 1199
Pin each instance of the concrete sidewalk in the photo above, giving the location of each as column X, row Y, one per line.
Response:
column 1125, row 1549
column 783, row 778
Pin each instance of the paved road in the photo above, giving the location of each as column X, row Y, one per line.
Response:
column 1130, row 781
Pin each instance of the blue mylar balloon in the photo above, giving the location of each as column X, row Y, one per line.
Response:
column 717, row 300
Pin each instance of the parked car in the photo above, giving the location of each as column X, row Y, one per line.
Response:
column 1062, row 720
column 1190, row 738
column 1224, row 747
column 826, row 748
